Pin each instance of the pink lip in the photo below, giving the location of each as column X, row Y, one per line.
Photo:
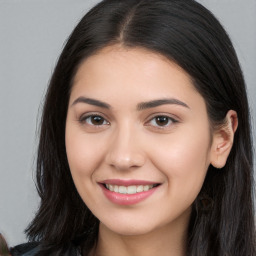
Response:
column 126, row 183
column 127, row 199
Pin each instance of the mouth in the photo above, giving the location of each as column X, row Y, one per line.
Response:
column 132, row 189
column 128, row 192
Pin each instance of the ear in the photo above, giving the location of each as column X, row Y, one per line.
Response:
column 223, row 138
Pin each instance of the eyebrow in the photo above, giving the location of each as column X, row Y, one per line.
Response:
column 156, row 103
column 93, row 102
column 140, row 106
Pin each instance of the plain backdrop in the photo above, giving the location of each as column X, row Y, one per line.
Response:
column 32, row 34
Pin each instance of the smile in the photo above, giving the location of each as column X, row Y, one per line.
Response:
column 128, row 192
column 129, row 189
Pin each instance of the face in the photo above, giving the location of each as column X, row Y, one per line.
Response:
column 138, row 140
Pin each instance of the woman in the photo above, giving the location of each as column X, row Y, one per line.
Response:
column 145, row 145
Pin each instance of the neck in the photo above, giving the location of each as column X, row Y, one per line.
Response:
column 169, row 240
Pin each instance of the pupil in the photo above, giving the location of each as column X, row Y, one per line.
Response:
column 162, row 120
column 97, row 120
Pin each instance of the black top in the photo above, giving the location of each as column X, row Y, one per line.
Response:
column 27, row 249
column 31, row 249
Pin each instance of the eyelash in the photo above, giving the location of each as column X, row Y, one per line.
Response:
column 84, row 120
column 171, row 121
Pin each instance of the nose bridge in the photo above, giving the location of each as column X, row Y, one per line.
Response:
column 125, row 151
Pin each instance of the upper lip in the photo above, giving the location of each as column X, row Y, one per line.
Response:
column 121, row 182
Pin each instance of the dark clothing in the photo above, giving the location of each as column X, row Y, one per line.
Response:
column 31, row 249
column 28, row 249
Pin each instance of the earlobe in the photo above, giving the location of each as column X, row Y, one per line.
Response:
column 223, row 139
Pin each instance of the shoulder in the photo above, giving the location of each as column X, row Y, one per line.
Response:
column 27, row 249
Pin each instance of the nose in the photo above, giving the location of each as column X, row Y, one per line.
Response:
column 125, row 151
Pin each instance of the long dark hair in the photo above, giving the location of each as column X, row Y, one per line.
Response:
column 188, row 34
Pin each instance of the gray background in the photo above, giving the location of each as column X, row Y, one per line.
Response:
column 32, row 33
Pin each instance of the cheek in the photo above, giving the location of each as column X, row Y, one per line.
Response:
column 184, row 160
column 81, row 154
column 83, row 161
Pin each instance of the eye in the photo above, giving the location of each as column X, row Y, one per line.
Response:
column 94, row 120
column 162, row 121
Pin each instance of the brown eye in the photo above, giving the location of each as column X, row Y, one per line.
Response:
column 97, row 120
column 162, row 120
column 94, row 120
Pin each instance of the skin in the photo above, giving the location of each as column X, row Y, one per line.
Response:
column 128, row 143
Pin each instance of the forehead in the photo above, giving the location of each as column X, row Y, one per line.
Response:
column 131, row 72
column 126, row 56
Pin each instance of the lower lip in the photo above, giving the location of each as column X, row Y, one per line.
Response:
column 127, row 199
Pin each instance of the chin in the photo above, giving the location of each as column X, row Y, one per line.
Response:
column 130, row 229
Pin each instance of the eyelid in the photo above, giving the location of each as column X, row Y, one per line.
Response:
column 174, row 120
column 84, row 116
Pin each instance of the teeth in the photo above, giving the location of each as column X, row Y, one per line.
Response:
column 139, row 188
column 122, row 189
column 146, row 188
column 129, row 189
